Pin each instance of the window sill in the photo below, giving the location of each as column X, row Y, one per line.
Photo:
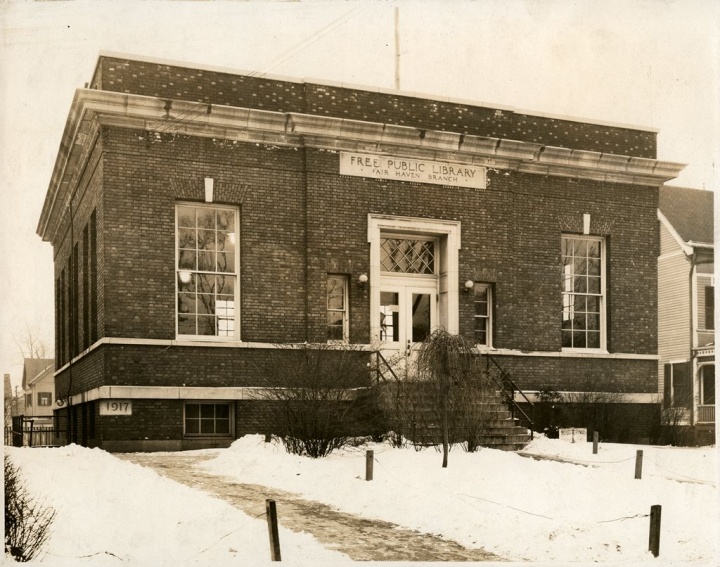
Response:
column 205, row 339
column 566, row 353
column 590, row 351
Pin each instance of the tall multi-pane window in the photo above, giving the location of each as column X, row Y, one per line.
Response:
column 59, row 314
column 583, row 292
column 207, row 271
column 483, row 314
column 62, row 357
column 74, row 302
column 93, row 278
column 337, row 308
column 86, row 287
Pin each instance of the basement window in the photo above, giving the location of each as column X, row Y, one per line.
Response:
column 207, row 419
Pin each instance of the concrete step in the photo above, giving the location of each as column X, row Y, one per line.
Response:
column 509, row 446
column 491, row 440
column 499, row 411
column 518, row 436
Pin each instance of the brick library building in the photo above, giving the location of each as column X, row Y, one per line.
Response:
column 203, row 219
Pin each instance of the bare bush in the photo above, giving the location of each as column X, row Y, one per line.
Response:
column 322, row 396
column 422, row 406
column 472, row 403
column 451, row 368
column 592, row 397
column 27, row 521
column 674, row 428
column 401, row 403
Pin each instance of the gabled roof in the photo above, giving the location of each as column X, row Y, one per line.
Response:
column 33, row 369
column 690, row 212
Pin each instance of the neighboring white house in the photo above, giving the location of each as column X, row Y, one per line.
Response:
column 686, row 304
column 39, row 386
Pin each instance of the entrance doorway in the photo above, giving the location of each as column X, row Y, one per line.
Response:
column 413, row 283
column 408, row 314
column 408, row 292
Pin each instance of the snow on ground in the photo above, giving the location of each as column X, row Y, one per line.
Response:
column 112, row 512
column 521, row 508
column 518, row 507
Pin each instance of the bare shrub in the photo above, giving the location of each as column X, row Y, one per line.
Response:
column 472, row 402
column 592, row 397
column 674, row 428
column 418, row 402
column 322, row 396
column 27, row 521
column 402, row 404
column 451, row 368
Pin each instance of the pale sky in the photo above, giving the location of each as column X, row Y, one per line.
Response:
column 646, row 63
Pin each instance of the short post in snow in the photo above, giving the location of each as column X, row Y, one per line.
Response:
column 596, row 438
column 268, row 437
column 638, row 464
column 655, row 514
column 271, row 514
column 369, row 464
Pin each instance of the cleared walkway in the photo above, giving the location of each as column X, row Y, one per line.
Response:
column 361, row 539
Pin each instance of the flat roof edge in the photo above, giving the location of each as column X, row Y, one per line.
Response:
column 383, row 90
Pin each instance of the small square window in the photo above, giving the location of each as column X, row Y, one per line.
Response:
column 206, row 419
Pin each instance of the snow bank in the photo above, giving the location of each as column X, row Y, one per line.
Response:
column 112, row 512
column 521, row 508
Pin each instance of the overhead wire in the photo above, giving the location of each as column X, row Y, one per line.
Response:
column 294, row 49
column 173, row 125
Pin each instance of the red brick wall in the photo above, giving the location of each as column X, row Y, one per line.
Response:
column 150, row 419
column 511, row 236
column 291, row 239
column 85, row 374
column 144, row 181
column 171, row 82
column 581, row 374
column 86, row 199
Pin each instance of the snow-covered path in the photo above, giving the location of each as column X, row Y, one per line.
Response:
column 360, row 538
column 565, row 504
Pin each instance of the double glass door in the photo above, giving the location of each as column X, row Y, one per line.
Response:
column 408, row 314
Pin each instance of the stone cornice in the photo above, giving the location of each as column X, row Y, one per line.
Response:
column 91, row 108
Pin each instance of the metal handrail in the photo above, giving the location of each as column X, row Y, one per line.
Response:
column 379, row 374
column 505, row 379
column 503, row 383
